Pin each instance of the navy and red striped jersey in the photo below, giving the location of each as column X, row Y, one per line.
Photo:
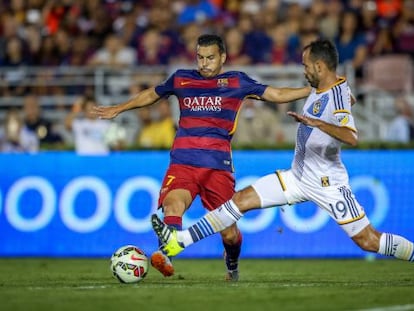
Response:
column 208, row 113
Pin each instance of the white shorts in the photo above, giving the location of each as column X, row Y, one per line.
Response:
column 283, row 188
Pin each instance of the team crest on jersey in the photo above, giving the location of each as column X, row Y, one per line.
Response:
column 316, row 107
column 325, row 181
column 222, row 82
column 343, row 120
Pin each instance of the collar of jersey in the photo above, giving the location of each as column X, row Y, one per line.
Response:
column 339, row 81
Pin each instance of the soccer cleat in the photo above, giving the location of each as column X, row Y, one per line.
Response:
column 162, row 263
column 168, row 237
column 232, row 276
column 232, row 269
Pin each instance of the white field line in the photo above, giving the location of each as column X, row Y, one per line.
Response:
column 391, row 308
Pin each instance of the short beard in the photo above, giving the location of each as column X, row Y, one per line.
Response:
column 313, row 82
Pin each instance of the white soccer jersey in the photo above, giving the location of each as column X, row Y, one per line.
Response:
column 317, row 154
column 89, row 136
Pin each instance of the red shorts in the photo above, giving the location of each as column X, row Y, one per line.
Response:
column 213, row 186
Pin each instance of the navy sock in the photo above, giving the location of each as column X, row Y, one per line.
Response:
column 233, row 253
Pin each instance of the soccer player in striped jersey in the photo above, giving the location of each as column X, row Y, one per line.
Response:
column 317, row 173
column 200, row 159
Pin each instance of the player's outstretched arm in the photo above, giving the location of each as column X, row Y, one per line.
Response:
column 284, row 95
column 143, row 98
column 342, row 133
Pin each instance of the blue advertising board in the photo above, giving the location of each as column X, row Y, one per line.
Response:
column 60, row 204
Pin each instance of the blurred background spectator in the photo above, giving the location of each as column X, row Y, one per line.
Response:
column 279, row 50
column 257, row 125
column 152, row 49
column 157, row 126
column 15, row 136
column 308, row 31
column 350, row 41
column 197, row 11
column 114, row 54
column 403, row 28
column 236, row 47
column 88, row 131
column 35, row 122
column 401, row 127
column 145, row 137
column 15, row 60
column 186, row 53
column 329, row 23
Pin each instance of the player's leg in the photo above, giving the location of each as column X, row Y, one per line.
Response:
column 217, row 187
column 214, row 221
column 343, row 207
column 232, row 242
column 265, row 192
column 174, row 199
column 174, row 205
column 388, row 244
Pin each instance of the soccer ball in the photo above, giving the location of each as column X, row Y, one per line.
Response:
column 129, row 264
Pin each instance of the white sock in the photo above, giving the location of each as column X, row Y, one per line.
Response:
column 397, row 246
column 213, row 222
column 184, row 237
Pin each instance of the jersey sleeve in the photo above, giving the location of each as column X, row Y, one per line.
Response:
column 251, row 87
column 166, row 88
column 342, row 112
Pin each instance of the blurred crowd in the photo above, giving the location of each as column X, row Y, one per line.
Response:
column 125, row 33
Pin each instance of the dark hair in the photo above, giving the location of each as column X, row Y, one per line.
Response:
column 207, row 40
column 357, row 22
column 86, row 100
column 325, row 51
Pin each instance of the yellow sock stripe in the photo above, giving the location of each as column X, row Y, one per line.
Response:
column 215, row 222
column 408, row 251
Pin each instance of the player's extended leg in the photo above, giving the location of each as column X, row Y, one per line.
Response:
column 174, row 241
column 387, row 244
column 232, row 241
column 343, row 207
column 217, row 188
column 267, row 191
column 174, row 206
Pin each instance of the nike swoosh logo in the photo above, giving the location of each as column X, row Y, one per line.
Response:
column 136, row 258
column 185, row 83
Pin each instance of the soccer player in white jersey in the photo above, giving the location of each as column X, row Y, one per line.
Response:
column 317, row 173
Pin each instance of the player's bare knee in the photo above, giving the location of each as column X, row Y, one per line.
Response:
column 173, row 208
column 176, row 202
column 230, row 235
column 238, row 199
column 246, row 199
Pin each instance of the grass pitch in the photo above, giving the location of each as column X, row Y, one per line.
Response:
column 87, row 284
